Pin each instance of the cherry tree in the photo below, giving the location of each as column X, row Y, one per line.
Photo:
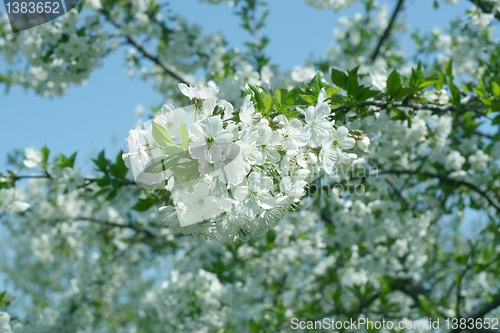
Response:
column 363, row 185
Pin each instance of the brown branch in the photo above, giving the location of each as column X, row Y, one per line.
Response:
column 14, row 178
column 485, row 7
column 486, row 308
column 146, row 232
column 170, row 70
column 480, row 314
column 451, row 181
column 459, row 291
column 435, row 108
column 387, row 31
column 441, row 177
column 403, row 196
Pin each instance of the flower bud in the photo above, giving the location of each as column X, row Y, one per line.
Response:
column 4, row 319
column 219, row 109
column 198, row 102
column 363, row 144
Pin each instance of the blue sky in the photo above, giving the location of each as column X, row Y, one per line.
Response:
column 100, row 114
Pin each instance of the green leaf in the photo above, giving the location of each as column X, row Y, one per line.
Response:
column 365, row 94
column 101, row 162
column 338, row 99
column 2, row 295
column 259, row 94
column 416, row 76
column 464, row 87
column 332, row 91
column 293, row 114
column 144, row 204
column 399, row 114
column 393, row 84
column 339, row 79
column 105, row 181
column 496, row 121
column 428, row 82
column 317, row 83
column 72, row 160
column 112, row 195
column 495, row 89
column 449, row 69
column 486, row 100
column 101, row 191
column 283, row 109
column 425, row 303
column 63, row 162
column 455, row 93
column 45, row 156
column 495, row 107
column 161, row 164
column 281, row 96
column 352, row 82
column 184, row 137
column 171, row 150
column 479, row 91
column 404, row 92
column 119, row 169
column 309, row 99
column 161, row 136
column 269, row 103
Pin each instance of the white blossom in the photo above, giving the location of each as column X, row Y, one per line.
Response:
column 33, row 158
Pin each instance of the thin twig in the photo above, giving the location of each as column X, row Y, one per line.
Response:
column 441, row 177
column 403, row 196
column 485, row 7
column 412, row 105
column 484, row 310
column 459, row 291
column 387, row 31
column 88, row 181
column 148, row 233
column 170, row 70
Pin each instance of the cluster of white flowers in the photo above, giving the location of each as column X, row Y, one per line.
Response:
column 92, row 4
column 470, row 51
column 249, row 171
column 479, row 19
column 5, row 323
column 59, row 52
column 335, row 5
column 359, row 35
column 69, row 178
column 300, row 74
column 33, row 157
column 79, row 253
column 205, row 312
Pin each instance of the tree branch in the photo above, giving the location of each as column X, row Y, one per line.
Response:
column 14, row 178
column 146, row 232
column 486, row 308
column 444, row 178
column 485, row 7
column 387, row 31
column 480, row 314
column 403, row 196
column 435, row 108
column 170, row 70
